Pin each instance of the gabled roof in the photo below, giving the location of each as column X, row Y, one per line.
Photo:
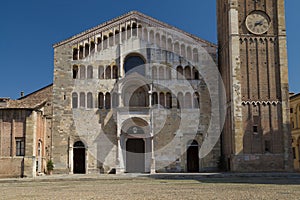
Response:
column 31, row 101
column 123, row 18
column 295, row 96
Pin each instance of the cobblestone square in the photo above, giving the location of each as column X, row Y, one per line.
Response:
column 152, row 188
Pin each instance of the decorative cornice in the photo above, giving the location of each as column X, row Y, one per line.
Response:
column 133, row 15
column 255, row 103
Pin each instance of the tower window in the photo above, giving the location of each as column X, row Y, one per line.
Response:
column 267, row 146
column 255, row 129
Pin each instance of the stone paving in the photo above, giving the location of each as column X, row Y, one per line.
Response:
column 157, row 186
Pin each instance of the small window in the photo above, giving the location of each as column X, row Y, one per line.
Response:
column 75, row 72
column 115, row 72
column 267, row 146
column 154, row 98
column 107, row 101
column 89, row 100
column 255, row 129
column 82, row 99
column 75, row 54
column 162, row 99
column 108, row 72
column 100, row 100
column 74, row 100
column 20, row 146
column 90, row 72
column 86, row 50
column 81, row 52
column 82, row 72
column 291, row 110
column 92, row 47
column 169, row 100
column 101, row 72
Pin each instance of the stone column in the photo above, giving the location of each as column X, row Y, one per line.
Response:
column 30, row 146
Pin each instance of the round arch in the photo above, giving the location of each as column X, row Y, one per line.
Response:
column 134, row 62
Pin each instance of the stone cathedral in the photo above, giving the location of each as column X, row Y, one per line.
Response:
column 136, row 95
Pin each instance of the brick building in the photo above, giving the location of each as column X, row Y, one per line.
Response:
column 25, row 133
column 295, row 126
column 135, row 94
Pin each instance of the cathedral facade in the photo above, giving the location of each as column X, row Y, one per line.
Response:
column 137, row 95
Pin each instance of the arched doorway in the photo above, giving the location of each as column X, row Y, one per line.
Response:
column 193, row 157
column 135, row 155
column 79, row 158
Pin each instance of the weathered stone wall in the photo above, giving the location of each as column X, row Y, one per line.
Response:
column 100, row 129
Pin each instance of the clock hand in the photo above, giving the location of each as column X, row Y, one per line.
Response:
column 259, row 23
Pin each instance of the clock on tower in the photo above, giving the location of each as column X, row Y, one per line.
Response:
column 253, row 65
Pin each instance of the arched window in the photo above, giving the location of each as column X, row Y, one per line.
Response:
column 86, row 50
column 82, row 72
column 75, row 72
column 162, row 99
column 117, row 37
column 154, row 98
column 154, row 73
column 128, row 32
column 140, row 31
column 189, row 53
column 92, row 47
column 74, row 100
column 111, row 39
column 107, row 72
column 105, row 42
column 188, row 100
column 107, row 101
column 161, row 73
column 134, row 30
column 195, row 73
column 176, row 48
column 82, row 99
column 134, row 63
column 145, row 34
column 169, row 45
column 151, row 35
column 168, row 100
column 163, row 42
column 196, row 100
column 90, row 72
column 75, row 54
column 115, row 100
column 179, row 72
column 89, row 100
column 179, row 100
column 115, row 72
column 123, row 33
column 81, row 52
column 99, row 44
column 195, row 55
column 168, row 73
column 183, row 52
column 187, row 72
column 157, row 39
column 101, row 72
column 100, row 100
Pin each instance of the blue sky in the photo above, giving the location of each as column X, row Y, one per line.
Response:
column 30, row 28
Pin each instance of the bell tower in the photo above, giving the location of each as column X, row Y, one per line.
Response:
column 253, row 64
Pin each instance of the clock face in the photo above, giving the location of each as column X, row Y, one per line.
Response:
column 258, row 22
